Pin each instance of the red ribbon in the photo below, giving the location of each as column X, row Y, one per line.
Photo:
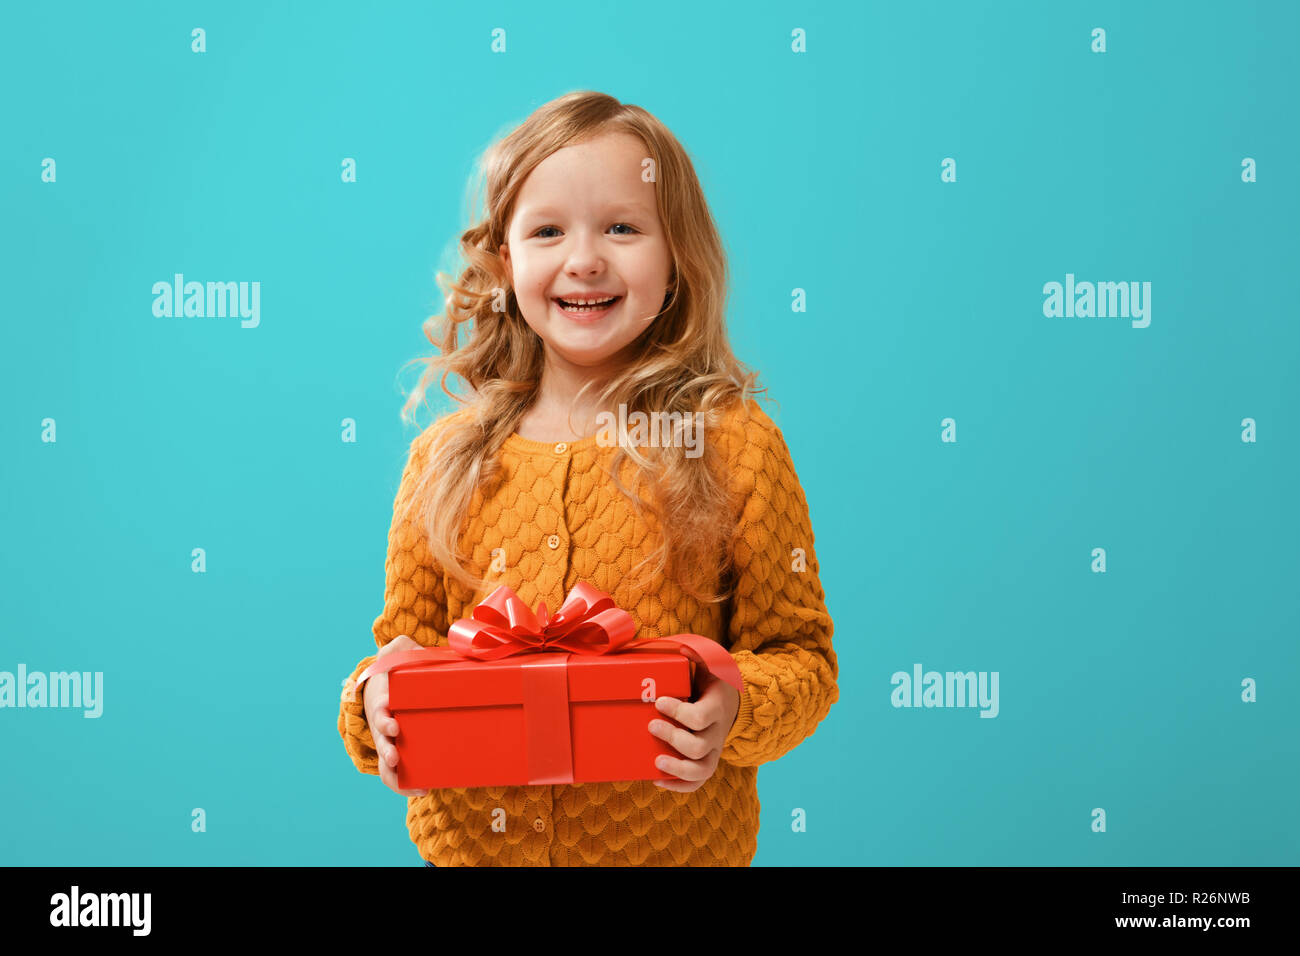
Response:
column 588, row 622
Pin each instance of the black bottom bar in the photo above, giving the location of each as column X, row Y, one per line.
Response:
column 334, row 905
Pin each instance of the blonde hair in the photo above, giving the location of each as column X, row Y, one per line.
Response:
column 682, row 362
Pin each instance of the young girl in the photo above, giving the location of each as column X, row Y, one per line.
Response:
column 595, row 288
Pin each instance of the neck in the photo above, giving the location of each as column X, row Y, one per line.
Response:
column 561, row 382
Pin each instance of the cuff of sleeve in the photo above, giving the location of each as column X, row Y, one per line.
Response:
column 353, row 727
column 744, row 716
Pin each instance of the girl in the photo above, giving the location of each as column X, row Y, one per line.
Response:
column 595, row 291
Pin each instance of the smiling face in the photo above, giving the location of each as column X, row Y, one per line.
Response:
column 585, row 225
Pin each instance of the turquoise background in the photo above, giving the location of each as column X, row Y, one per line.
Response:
column 1118, row 690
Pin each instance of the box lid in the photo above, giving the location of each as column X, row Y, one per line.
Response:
column 590, row 678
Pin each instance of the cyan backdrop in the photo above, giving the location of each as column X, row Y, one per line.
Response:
column 1120, row 690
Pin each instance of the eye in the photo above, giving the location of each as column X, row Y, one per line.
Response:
column 631, row 230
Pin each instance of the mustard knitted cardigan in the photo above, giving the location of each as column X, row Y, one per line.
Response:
column 559, row 520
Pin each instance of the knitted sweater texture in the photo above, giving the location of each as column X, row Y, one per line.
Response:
column 558, row 519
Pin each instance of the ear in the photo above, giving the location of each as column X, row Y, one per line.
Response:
column 504, row 253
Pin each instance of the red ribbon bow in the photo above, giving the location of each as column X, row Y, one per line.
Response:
column 588, row 622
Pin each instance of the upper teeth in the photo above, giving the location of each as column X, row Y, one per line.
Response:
column 608, row 298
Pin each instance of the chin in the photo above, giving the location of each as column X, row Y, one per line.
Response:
column 585, row 353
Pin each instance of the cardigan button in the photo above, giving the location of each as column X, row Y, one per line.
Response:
column 539, row 824
column 561, row 448
column 553, row 541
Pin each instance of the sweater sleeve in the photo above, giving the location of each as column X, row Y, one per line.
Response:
column 779, row 628
column 414, row 604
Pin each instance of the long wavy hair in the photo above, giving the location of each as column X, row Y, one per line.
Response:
column 681, row 363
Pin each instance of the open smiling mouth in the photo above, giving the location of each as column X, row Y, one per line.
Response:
column 588, row 308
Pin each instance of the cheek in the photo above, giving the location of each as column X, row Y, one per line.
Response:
column 534, row 283
column 651, row 276
column 527, row 289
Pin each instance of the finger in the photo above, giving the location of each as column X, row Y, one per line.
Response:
column 386, row 752
column 692, row 715
column 389, row 776
column 385, row 722
column 386, row 748
column 681, row 786
column 683, row 741
column 683, row 769
column 382, row 719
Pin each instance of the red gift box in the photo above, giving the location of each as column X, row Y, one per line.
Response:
column 519, row 698
column 533, row 719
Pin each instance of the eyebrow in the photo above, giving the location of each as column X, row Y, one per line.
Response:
column 621, row 207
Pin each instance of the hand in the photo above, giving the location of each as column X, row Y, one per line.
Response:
column 383, row 726
column 710, row 719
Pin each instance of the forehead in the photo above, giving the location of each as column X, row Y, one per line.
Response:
column 602, row 171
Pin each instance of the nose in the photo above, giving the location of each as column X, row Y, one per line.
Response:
column 584, row 257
